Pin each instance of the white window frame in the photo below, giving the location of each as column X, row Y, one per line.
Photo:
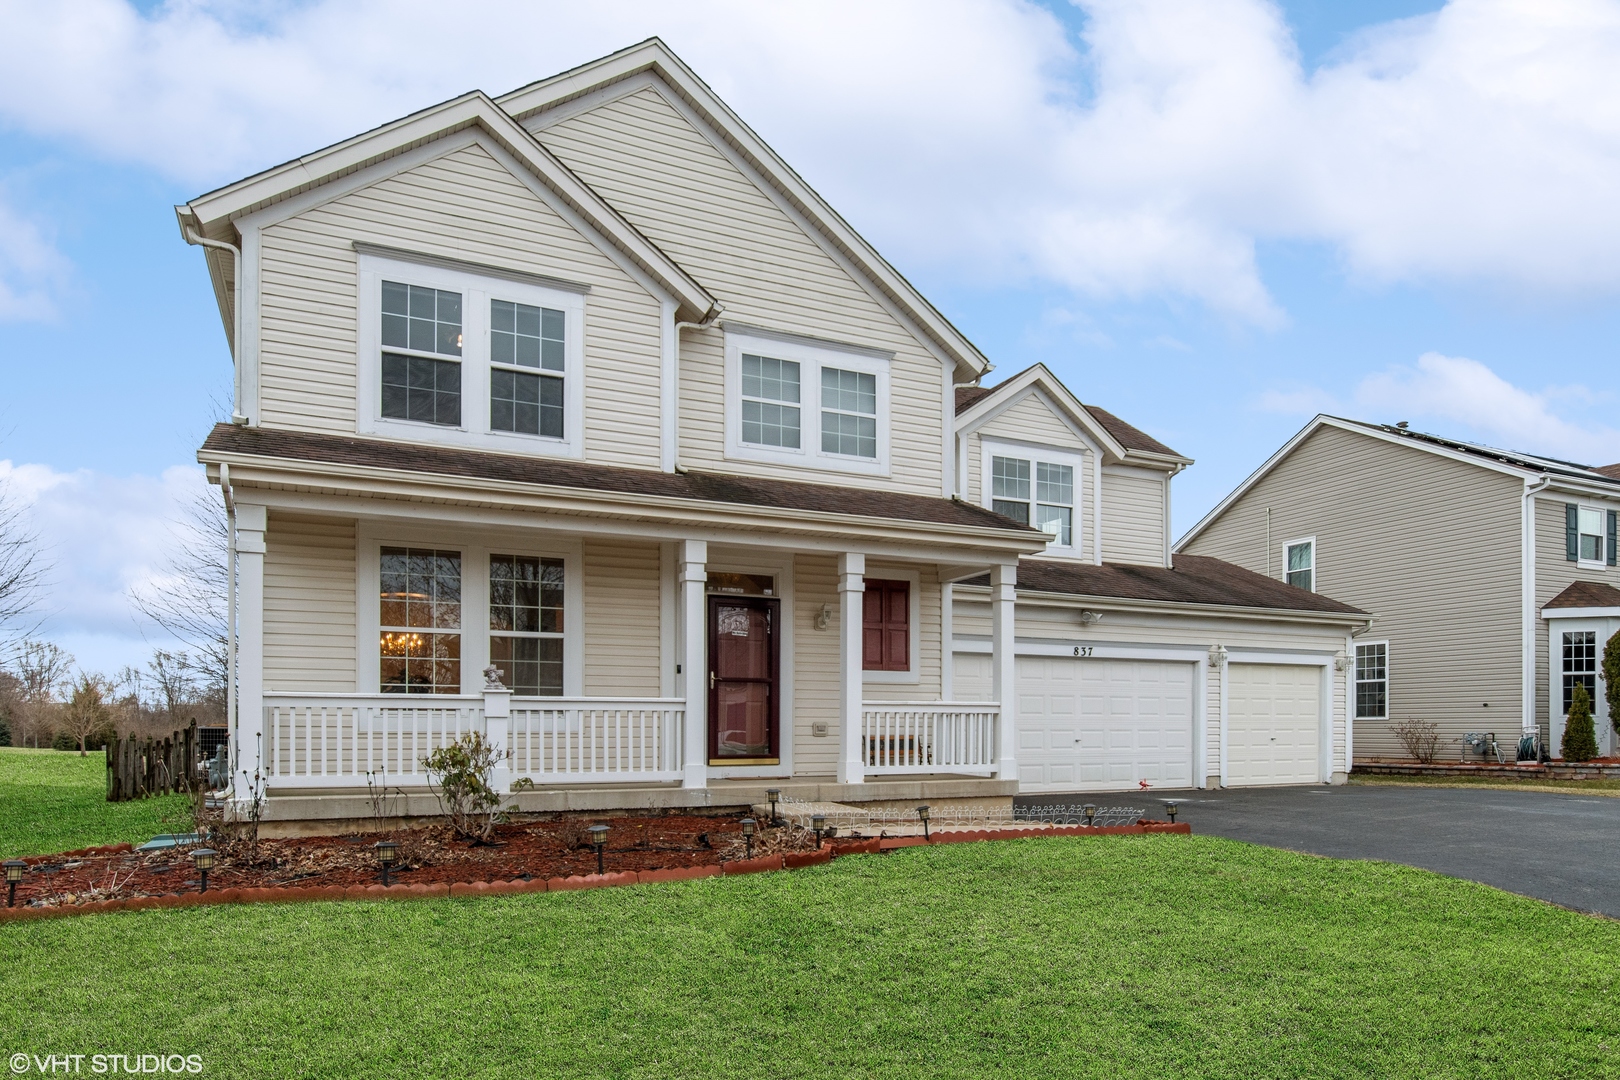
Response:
column 1315, row 558
column 477, row 290
column 990, row 449
column 811, row 358
column 1356, row 680
column 475, row 549
column 1602, row 561
column 913, row 580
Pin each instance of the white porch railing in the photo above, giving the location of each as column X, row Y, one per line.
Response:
column 597, row 740
column 339, row 740
column 929, row 737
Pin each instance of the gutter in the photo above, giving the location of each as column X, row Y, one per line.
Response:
column 197, row 239
column 674, row 376
column 1234, row 611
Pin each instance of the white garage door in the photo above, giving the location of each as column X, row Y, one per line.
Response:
column 1272, row 724
column 1103, row 725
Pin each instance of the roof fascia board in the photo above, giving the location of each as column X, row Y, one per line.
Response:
column 1056, row 396
column 653, row 55
column 1173, row 607
column 247, row 470
column 1578, row 487
column 1580, row 612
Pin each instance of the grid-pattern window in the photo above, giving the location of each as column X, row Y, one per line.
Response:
column 1591, row 534
column 526, row 344
column 1302, row 565
column 1372, row 682
column 770, row 401
column 1054, row 501
column 526, row 623
column 848, row 413
column 1580, row 665
column 417, row 384
column 420, row 616
column 1009, row 488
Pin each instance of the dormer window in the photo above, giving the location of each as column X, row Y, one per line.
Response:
column 1036, row 487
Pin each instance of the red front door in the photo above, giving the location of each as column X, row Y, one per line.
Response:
column 744, row 708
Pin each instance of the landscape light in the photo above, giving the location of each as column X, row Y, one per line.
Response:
column 387, row 855
column 204, row 860
column 1170, row 808
column 774, row 794
column 598, row 841
column 922, row 815
column 818, row 822
column 748, row 827
column 15, row 868
column 1090, row 810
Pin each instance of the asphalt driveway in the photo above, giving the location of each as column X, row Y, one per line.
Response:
column 1564, row 848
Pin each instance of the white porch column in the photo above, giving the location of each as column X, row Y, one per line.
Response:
column 498, row 729
column 851, row 618
column 1003, row 589
column 251, row 749
column 693, row 557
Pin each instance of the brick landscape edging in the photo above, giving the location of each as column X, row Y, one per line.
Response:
column 763, row 864
column 1521, row 771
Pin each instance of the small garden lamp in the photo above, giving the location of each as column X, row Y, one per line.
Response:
column 203, row 858
column 15, row 869
column 1170, row 808
column 599, row 842
column 922, row 816
column 774, row 794
column 748, row 827
column 818, row 822
column 1090, row 810
column 387, row 856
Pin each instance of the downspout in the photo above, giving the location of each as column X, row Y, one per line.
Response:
column 231, row 718
column 702, row 324
column 194, row 237
column 1529, row 724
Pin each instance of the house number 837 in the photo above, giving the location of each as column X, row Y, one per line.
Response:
column 1082, row 650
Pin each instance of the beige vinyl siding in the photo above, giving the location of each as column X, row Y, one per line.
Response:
column 688, row 198
column 1133, row 512
column 1032, row 420
column 309, row 599
column 815, row 666
column 621, row 596
column 1554, row 574
column 464, row 205
column 1428, row 545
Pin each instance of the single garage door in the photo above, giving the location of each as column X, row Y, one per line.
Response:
column 1273, row 726
column 1103, row 725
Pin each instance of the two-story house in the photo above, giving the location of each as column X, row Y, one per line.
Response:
column 576, row 418
column 1491, row 575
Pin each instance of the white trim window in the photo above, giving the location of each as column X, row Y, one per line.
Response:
column 419, row 621
column 1372, row 680
column 1037, row 487
column 777, row 387
column 527, row 602
column 1299, row 563
column 1580, row 666
column 453, row 356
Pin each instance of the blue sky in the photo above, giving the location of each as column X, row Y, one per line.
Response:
column 1212, row 217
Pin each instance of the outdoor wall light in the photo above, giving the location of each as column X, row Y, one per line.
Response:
column 1090, row 810
column 1170, row 808
column 599, row 842
column 774, row 794
column 922, row 815
column 15, row 869
column 818, row 822
column 203, row 858
column 748, row 827
column 387, row 855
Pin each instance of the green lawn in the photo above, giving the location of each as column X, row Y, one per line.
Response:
column 1588, row 787
column 1154, row 957
column 54, row 800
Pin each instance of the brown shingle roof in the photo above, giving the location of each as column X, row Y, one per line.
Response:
column 1611, row 471
column 1131, row 438
column 1195, row 579
column 1586, row 594
column 550, row 472
column 967, row 395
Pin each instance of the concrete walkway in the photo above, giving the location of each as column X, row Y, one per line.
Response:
column 1564, row 848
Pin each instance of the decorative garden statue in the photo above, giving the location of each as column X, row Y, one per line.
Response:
column 219, row 770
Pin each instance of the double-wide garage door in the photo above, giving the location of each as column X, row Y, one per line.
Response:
column 1108, row 725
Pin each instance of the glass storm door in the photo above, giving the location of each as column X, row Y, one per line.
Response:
column 743, row 663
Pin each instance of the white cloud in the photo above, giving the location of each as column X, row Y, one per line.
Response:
column 102, row 537
column 1479, row 145
column 32, row 271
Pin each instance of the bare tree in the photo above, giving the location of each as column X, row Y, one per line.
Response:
column 190, row 601
column 21, row 567
column 173, row 676
column 40, row 669
column 87, row 713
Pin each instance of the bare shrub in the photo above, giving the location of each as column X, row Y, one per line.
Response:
column 1420, row 737
column 459, row 774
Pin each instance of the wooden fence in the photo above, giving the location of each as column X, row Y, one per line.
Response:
column 137, row 768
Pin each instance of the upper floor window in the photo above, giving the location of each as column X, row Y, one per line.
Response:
column 1372, row 681
column 1038, row 489
column 470, row 358
column 778, row 384
column 1589, row 534
column 1299, row 561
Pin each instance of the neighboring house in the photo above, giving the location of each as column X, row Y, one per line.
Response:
column 1478, row 565
column 576, row 419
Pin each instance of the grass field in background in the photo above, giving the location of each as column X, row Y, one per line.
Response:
column 1154, row 957
column 55, row 800
column 1589, row 787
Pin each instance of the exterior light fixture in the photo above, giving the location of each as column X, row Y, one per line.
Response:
column 15, row 869
column 204, row 860
column 387, row 856
column 599, row 842
column 748, row 827
column 774, row 794
column 818, row 822
column 922, row 815
column 1170, row 808
column 1090, row 810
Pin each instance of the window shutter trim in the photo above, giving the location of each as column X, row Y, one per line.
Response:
column 1572, row 532
column 1608, row 551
